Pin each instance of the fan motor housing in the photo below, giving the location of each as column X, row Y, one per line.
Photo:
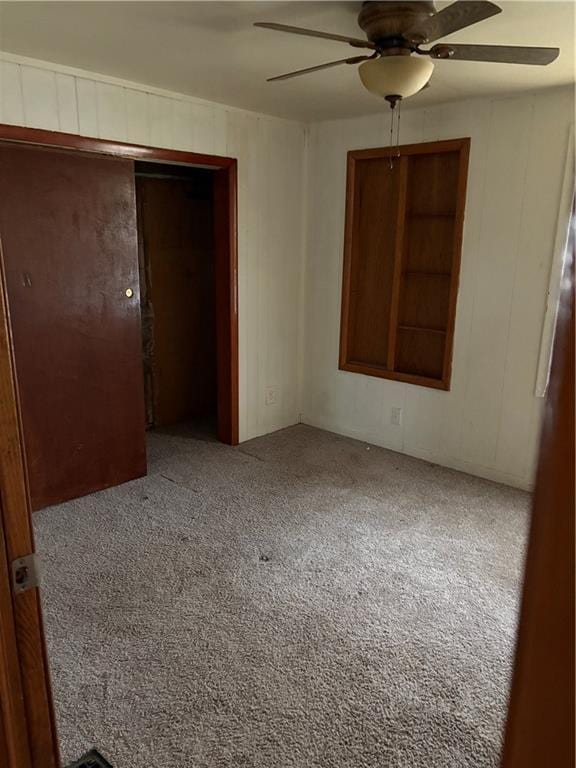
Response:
column 385, row 22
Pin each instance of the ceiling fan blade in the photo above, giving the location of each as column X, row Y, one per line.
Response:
column 460, row 14
column 297, row 73
column 505, row 54
column 354, row 41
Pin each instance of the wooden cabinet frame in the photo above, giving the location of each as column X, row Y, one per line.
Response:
column 387, row 371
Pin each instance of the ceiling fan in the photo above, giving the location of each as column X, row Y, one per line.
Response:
column 397, row 66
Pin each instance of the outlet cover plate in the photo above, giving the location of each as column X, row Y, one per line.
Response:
column 271, row 395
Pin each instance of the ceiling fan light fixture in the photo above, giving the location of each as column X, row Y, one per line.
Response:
column 400, row 76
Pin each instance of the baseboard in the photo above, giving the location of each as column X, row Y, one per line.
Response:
column 470, row 468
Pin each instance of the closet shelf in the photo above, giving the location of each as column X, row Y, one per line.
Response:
column 421, row 329
column 417, row 215
column 427, row 272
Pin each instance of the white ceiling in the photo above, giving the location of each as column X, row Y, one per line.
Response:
column 212, row 51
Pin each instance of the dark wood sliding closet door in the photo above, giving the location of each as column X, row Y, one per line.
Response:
column 69, row 243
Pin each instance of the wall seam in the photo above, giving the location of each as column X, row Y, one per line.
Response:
column 303, row 283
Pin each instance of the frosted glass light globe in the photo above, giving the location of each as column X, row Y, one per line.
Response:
column 396, row 75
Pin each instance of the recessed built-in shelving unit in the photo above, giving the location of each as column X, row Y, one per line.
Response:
column 404, row 223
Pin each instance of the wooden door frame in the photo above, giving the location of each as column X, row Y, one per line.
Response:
column 540, row 730
column 225, row 199
column 28, row 724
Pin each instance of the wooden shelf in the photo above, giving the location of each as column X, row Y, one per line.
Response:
column 419, row 329
column 427, row 272
column 373, row 366
column 416, row 215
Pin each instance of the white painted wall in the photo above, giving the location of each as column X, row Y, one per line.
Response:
column 271, row 159
column 488, row 423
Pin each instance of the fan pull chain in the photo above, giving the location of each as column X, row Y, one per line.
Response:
column 390, row 156
column 398, row 128
column 393, row 101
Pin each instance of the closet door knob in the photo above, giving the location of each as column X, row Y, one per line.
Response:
column 129, row 292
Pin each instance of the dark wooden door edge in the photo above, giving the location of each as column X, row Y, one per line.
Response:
column 540, row 728
column 226, row 238
column 14, row 739
column 32, row 674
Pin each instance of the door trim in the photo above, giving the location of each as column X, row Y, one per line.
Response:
column 26, row 708
column 226, row 244
column 540, row 729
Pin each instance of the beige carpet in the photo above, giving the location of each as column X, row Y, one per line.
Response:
column 301, row 600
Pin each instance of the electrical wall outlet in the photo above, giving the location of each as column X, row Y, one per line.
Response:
column 396, row 416
column 271, row 395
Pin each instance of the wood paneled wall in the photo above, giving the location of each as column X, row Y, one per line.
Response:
column 270, row 228
column 488, row 423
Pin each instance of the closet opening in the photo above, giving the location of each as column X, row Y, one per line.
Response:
column 120, row 214
column 176, row 252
